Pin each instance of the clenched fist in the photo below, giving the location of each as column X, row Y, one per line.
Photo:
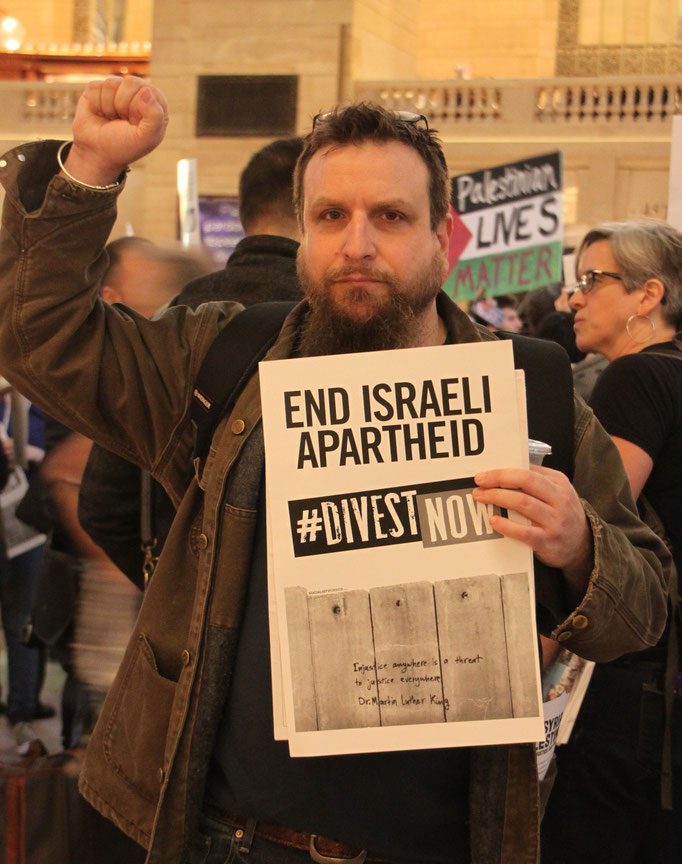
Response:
column 117, row 121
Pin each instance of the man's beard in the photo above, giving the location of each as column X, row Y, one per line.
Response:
column 395, row 321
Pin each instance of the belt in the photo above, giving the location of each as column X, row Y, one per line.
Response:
column 321, row 849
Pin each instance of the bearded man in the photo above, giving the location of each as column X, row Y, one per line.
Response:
column 183, row 758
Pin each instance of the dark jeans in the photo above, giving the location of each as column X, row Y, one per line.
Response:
column 17, row 593
column 605, row 807
column 215, row 843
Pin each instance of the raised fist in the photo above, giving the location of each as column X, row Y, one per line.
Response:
column 117, row 121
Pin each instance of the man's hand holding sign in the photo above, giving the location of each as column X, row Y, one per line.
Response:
column 558, row 532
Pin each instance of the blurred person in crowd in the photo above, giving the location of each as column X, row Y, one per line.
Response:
column 536, row 305
column 184, row 757
column 562, row 303
column 106, row 602
column 496, row 313
column 4, row 475
column 589, row 364
column 115, row 501
column 558, row 327
column 263, row 264
column 23, row 443
column 511, row 322
column 145, row 276
column 586, row 372
column 618, row 796
column 586, row 368
column 142, row 276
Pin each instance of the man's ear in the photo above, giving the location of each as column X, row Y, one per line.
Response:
column 654, row 291
column 110, row 294
column 443, row 232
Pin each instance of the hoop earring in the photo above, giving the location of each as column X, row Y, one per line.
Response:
column 640, row 341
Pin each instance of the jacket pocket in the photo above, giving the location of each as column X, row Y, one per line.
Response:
column 135, row 734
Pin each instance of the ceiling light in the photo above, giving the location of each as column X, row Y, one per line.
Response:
column 12, row 32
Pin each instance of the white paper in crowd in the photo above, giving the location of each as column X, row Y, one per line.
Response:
column 397, row 603
column 18, row 536
column 188, row 203
column 583, row 676
column 564, row 684
column 544, row 750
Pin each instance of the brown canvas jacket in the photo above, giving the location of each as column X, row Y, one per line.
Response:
column 125, row 382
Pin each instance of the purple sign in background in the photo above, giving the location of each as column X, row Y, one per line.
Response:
column 220, row 227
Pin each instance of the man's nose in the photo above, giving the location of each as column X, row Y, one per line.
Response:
column 359, row 240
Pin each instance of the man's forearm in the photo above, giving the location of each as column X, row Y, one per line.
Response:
column 47, row 260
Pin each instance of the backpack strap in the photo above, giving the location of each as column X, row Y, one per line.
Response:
column 230, row 362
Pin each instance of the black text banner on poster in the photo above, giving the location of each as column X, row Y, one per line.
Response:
column 434, row 514
column 507, row 183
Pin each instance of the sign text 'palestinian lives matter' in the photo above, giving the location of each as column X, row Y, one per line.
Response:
column 513, row 215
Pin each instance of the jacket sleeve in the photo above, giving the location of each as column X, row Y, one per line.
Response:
column 626, row 603
column 102, row 370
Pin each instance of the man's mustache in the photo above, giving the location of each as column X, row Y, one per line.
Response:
column 363, row 271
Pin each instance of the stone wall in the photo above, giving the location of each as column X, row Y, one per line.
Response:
column 500, row 39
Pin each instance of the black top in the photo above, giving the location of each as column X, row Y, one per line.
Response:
column 261, row 268
column 639, row 398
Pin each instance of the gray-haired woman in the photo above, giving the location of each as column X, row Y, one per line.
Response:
column 613, row 800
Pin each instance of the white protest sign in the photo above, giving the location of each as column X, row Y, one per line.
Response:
column 395, row 602
column 513, row 217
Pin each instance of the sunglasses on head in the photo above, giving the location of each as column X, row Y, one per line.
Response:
column 403, row 116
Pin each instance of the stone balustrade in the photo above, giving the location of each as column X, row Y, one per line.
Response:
column 480, row 107
column 576, row 104
column 35, row 109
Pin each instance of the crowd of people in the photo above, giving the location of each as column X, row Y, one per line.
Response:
column 165, row 636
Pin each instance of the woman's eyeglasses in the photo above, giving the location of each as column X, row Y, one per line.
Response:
column 587, row 280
